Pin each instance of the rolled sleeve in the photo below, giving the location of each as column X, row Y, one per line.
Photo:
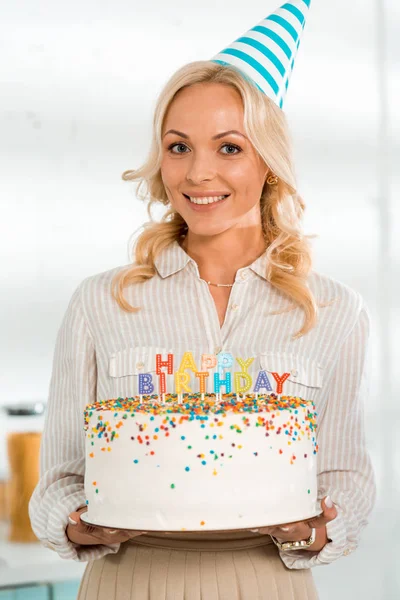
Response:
column 60, row 489
column 345, row 471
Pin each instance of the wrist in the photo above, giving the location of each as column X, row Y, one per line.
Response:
column 321, row 539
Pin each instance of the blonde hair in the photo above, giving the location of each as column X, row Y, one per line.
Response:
column 288, row 249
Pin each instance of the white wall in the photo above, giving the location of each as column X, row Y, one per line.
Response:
column 78, row 87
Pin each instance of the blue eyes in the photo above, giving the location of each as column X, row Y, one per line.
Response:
column 224, row 145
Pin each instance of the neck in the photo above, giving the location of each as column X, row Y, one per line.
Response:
column 219, row 257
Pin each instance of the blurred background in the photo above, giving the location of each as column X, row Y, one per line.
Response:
column 79, row 82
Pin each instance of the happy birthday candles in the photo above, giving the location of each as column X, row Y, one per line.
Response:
column 188, row 375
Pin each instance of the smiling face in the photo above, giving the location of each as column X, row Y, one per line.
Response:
column 197, row 162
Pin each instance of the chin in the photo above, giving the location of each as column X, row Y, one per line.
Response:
column 206, row 229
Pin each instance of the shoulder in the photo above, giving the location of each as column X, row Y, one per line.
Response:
column 336, row 298
column 96, row 289
column 100, row 281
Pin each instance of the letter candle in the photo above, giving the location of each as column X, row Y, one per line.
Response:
column 169, row 363
column 201, row 375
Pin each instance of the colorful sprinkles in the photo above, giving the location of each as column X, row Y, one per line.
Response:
column 194, row 407
column 208, row 412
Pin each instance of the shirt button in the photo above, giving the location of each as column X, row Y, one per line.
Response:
column 217, row 349
column 244, row 275
column 347, row 552
column 140, row 365
column 234, row 306
column 295, row 372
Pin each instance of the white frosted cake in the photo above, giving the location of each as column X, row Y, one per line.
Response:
column 205, row 463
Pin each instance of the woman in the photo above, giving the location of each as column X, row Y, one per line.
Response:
column 232, row 272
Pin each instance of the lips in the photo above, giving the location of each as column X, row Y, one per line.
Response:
column 205, row 207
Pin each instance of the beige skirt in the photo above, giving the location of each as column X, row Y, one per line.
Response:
column 225, row 566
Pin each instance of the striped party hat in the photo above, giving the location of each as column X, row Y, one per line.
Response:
column 266, row 53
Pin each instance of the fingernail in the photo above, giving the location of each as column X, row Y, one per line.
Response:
column 112, row 531
column 328, row 502
column 72, row 521
column 284, row 528
column 254, row 530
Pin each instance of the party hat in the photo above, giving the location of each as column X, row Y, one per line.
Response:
column 267, row 52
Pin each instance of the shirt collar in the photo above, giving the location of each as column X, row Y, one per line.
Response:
column 171, row 260
column 174, row 258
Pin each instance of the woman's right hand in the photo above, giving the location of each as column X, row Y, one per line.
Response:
column 79, row 532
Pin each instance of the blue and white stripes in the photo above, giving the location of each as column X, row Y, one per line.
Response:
column 267, row 52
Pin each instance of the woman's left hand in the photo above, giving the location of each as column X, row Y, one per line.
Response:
column 301, row 530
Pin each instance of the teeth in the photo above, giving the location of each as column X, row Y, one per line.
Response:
column 206, row 200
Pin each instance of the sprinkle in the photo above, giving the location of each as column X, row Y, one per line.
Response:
column 136, row 461
column 297, row 425
column 187, row 468
column 202, row 522
column 172, row 485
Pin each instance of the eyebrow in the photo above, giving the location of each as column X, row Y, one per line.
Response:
column 215, row 137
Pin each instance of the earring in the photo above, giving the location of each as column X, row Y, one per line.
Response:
column 272, row 179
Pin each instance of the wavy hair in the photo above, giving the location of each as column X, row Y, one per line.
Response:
column 288, row 249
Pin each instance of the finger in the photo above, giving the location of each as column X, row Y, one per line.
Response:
column 265, row 530
column 107, row 538
column 292, row 532
column 329, row 513
column 80, row 526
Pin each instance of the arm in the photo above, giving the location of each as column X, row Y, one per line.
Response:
column 60, row 489
column 344, row 467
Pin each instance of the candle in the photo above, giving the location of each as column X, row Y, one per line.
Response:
column 202, row 397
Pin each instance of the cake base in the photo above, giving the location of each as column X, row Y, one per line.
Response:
column 86, row 519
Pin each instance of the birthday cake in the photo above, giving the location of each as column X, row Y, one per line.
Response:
column 202, row 463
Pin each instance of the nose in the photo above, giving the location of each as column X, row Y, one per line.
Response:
column 200, row 168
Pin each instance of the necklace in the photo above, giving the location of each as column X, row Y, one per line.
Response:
column 220, row 284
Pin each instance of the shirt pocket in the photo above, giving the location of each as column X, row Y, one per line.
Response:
column 126, row 365
column 306, row 375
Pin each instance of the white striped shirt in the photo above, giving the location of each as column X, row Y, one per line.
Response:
column 100, row 350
